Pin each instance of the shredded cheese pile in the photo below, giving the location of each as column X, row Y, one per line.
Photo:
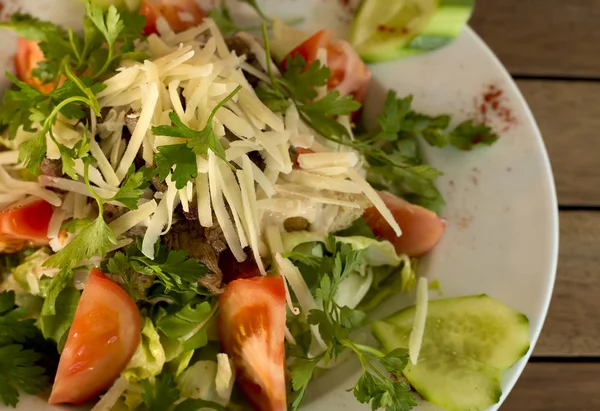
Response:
column 248, row 203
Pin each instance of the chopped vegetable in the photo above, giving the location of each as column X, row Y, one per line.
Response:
column 381, row 33
column 498, row 336
column 421, row 228
column 251, row 328
column 24, row 223
column 102, row 339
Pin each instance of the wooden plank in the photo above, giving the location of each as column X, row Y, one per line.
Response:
column 542, row 37
column 573, row 325
column 556, row 387
column 567, row 113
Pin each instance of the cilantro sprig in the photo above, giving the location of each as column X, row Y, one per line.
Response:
column 95, row 239
column 18, row 366
column 174, row 270
column 180, row 159
column 93, row 52
column 298, row 83
column 336, row 324
column 74, row 64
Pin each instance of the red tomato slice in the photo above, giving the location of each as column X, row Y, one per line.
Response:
column 27, row 58
column 180, row 14
column 251, row 326
column 105, row 333
column 421, row 228
column 24, row 222
column 349, row 75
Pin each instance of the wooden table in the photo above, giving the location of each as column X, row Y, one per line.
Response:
column 552, row 49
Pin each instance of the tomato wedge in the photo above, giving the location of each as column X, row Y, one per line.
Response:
column 251, row 326
column 27, row 58
column 105, row 333
column 421, row 228
column 24, row 223
column 180, row 14
column 349, row 75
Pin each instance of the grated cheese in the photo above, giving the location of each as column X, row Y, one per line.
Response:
column 155, row 227
column 375, row 200
column 341, row 185
column 416, row 335
column 103, row 164
column 140, row 131
column 9, row 185
column 218, row 204
column 9, row 157
column 74, row 186
column 311, row 161
column 203, row 198
column 305, row 298
column 132, row 218
column 232, row 193
column 249, row 207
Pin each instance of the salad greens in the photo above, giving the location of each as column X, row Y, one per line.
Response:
column 19, row 369
column 334, row 278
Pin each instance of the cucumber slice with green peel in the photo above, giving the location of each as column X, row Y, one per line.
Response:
column 385, row 30
column 468, row 342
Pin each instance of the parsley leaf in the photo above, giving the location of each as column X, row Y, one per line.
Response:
column 173, row 269
column 206, row 139
column 301, row 372
column 301, row 80
column 19, row 372
column 162, row 395
column 180, row 156
column 183, row 156
column 132, row 189
column 468, row 135
column 31, row 28
column 56, row 326
column 18, row 369
column 335, row 325
column 13, row 325
column 110, row 25
column 95, row 239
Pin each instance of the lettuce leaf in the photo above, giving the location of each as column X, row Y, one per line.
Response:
column 149, row 358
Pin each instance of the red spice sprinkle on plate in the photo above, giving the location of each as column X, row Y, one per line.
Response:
column 492, row 105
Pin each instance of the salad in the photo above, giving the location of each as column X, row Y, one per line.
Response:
column 193, row 216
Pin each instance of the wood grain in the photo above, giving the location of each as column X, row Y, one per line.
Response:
column 573, row 324
column 542, row 37
column 556, row 387
column 567, row 113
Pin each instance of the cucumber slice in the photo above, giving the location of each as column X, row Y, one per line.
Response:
column 468, row 342
column 384, row 30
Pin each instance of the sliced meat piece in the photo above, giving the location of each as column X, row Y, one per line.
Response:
column 205, row 244
column 52, row 168
column 233, row 270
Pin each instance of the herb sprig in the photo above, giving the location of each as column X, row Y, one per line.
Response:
column 18, row 366
column 174, row 270
column 74, row 64
column 183, row 156
column 335, row 324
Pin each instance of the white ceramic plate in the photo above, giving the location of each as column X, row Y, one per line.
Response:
column 502, row 232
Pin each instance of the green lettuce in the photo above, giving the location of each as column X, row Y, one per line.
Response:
column 149, row 357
